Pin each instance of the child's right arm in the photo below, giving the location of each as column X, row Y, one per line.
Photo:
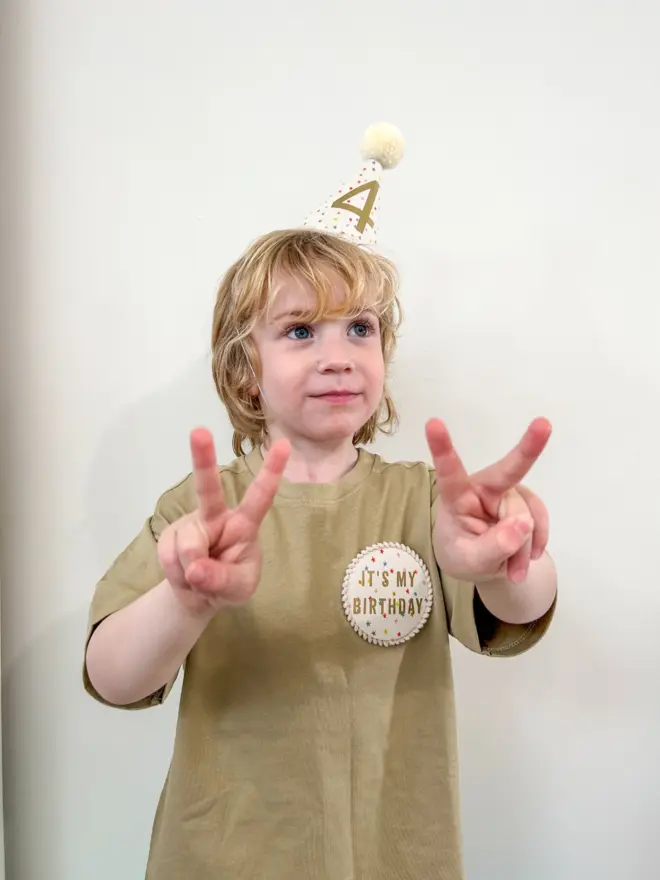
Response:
column 136, row 651
column 211, row 559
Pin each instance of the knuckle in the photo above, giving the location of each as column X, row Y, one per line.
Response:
column 167, row 557
column 191, row 541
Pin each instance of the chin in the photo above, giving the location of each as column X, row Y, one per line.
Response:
column 332, row 429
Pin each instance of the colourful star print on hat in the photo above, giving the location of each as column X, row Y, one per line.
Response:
column 352, row 212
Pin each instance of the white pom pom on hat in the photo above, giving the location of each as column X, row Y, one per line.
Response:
column 352, row 211
column 384, row 143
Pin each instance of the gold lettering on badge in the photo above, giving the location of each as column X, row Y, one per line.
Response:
column 367, row 579
column 369, row 605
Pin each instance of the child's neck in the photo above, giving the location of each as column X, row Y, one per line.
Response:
column 311, row 462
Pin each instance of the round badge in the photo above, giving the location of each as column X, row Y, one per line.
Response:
column 387, row 594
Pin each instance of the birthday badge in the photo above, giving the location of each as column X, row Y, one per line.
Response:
column 387, row 594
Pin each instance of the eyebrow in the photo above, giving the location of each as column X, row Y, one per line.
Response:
column 299, row 314
column 289, row 315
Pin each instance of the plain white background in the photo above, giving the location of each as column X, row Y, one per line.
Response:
column 143, row 145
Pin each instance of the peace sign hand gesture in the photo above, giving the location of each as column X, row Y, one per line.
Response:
column 488, row 526
column 212, row 556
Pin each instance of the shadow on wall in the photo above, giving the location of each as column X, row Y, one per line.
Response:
column 16, row 186
column 83, row 780
column 87, row 777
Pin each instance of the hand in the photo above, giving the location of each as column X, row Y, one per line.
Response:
column 212, row 557
column 488, row 526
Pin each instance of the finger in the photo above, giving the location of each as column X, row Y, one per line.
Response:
column 168, row 555
column 219, row 580
column 539, row 514
column 206, row 478
column 510, row 470
column 261, row 492
column 451, row 477
column 514, row 505
column 490, row 551
column 192, row 543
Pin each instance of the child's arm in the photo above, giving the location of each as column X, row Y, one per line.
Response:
column 136, row 651
column 211, row 559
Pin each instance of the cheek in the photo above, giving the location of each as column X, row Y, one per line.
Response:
column 282, row 374
column 376, row 365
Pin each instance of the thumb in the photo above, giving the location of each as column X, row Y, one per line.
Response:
column 514, row 505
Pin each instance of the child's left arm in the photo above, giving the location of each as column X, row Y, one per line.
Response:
column 491, row 531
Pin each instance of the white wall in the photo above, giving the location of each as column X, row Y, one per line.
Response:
column 143, row 145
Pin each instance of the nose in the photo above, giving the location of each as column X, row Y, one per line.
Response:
column 335, row 356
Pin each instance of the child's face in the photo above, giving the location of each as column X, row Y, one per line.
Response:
column 321, row 382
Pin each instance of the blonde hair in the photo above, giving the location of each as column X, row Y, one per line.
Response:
column 246, row 293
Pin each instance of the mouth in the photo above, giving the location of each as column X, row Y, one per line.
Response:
column 337, row 397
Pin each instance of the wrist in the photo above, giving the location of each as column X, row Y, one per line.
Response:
column 192, row 608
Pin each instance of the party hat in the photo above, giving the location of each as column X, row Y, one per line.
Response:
column 352, row 211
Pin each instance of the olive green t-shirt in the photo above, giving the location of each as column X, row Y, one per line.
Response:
column 316, row 732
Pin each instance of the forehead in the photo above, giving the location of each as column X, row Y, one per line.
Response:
column 291, row 294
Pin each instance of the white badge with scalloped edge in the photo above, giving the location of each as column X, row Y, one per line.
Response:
column 387, row 594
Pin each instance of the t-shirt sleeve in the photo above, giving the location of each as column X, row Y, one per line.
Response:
column 473, row 625
column 135, row 571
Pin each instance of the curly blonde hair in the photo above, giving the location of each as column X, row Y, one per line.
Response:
column 246, row 294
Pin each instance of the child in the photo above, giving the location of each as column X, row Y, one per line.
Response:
column 309, row 588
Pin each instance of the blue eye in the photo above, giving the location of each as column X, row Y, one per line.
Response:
column 299, row 332
column 362, row 329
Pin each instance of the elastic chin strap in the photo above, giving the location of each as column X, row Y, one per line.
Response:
column 247, row 358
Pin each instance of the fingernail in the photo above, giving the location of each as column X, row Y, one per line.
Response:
column 524, row 526
column 197, row 577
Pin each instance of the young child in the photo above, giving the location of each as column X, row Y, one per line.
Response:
column 309, row 588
